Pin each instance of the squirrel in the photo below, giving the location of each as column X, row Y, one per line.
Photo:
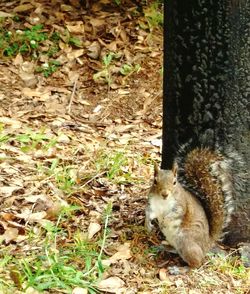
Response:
column 193, row 202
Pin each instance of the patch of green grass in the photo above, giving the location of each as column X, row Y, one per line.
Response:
column 75, row 41
column 59, row 275
column 154, row 250
column 4, row 138
column 60, row 264
column 128, row 69
column 113, row 164
column 21, row 41
column 65, row 176
column 29, row 42
column 52, row 51
column 55, row 37
column 16, row 18
column 5, row 283
column 65, row 179
column 31, row 140
column 48, row 68
column 108, row 66
column 154, row 15
column 28, row 141
column 117, row 166
column 105, row 73
column 71, row 39
column 117, row 2
column 35, row 34
column 229, row 265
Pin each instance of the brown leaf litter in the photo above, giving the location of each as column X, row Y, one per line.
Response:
column 69, row 128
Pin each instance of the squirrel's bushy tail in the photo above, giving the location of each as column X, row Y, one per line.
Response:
column 209, row 175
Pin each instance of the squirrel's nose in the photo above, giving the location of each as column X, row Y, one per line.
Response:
column 165, row 194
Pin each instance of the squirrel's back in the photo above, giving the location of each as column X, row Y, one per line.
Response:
column 207, row 174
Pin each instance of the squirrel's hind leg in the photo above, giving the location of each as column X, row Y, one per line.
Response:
column 191, row 252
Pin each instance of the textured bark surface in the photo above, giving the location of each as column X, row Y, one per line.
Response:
column 207, row 87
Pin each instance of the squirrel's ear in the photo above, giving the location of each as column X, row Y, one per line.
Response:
column 156, row 169
column 175, row 169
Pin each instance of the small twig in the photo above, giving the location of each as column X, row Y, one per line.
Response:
column 90, row 180
column 38, row 186
column 85, row 121
column 72, row 96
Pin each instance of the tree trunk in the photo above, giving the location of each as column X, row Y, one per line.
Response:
column 207, row 86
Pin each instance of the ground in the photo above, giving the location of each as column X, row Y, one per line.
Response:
column 80, row 128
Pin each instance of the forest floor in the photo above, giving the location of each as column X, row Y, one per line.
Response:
column 80, row 128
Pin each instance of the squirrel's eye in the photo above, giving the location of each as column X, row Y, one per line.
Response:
column 174, row 182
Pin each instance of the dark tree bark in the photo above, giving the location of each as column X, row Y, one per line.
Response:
column 207, row 86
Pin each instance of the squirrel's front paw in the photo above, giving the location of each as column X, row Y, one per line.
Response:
column 148, row 225
column 151, row 225
column 149, row 220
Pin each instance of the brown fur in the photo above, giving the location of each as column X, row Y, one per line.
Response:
column 181, row 218
column 198, row 170
column 192, row 222
column 193, row 240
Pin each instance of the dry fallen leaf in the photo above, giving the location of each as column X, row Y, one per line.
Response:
column 96, row 22
column 29, row 79
column 163, row 274
column 112, row 46
column 93, row 229
column 10, row 234
column 18, row 60
column 62, row 138
column 14, row 124
column 76, row 27
column 75, row 54
column 112, row 285
column 68, row 8
column 122, row 253
column 194, row 291
column 7, row 191
column 25, row 158
column 31, row 290
column 79, row 290
column 23, row 8
column 5, row 14
column 43, row 95
column 27, row 215
column 94, row 50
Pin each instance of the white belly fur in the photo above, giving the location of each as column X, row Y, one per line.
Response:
column 168, row 214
